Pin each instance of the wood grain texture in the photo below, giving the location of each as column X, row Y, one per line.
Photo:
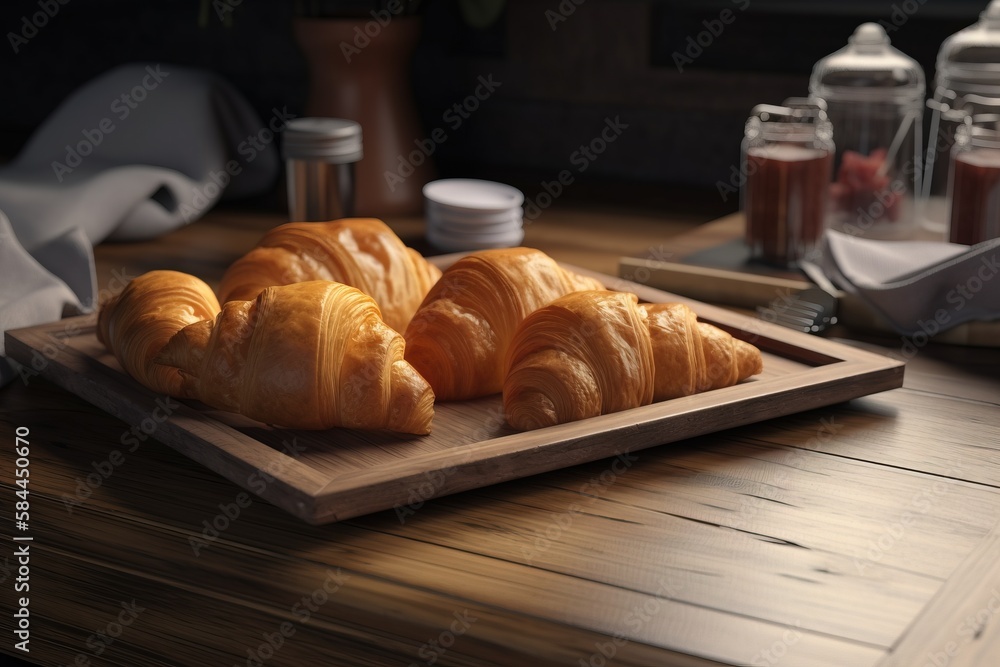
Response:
column 851, row 534
column 349, row 473
column 959, row 628
column 742, row 532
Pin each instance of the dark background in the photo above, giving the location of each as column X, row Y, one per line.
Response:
column 608, row 58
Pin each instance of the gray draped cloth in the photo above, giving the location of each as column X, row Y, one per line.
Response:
column 920, row 287
column 137, row 152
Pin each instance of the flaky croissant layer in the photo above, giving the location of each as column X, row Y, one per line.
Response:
column 361, row 252
column 596, row 352
column 311, row 355
column 135, row 324
column 459, row 337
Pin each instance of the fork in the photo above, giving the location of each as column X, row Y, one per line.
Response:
column 811, row 310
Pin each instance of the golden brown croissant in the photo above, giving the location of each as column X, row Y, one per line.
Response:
column 593, row 353
column 692, row 356
column 361, row 252
column 310, row 355
column 459, row 337
column 135, row 324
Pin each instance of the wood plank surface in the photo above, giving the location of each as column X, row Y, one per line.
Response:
column 959, row 628
column 856, row 534
column 746, row 530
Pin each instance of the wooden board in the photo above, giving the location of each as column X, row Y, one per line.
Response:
column 753, row 290
column 326, row 476
column 712, row 266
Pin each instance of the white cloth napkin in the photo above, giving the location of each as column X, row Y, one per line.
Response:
column 137, row 152
column 918, row 286
column 37, row 295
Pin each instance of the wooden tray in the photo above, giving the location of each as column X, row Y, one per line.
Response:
column 325, row 476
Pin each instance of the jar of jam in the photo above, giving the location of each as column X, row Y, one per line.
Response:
column 974, row 181
column 788, row 160
column 967, row 81
column 874, row 96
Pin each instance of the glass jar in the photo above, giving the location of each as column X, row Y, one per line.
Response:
column 974, row 181
column 875, row 97
column 787, row 158
column 320, row 154
column 967, row 82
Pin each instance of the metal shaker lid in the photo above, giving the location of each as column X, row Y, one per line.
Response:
column 868, row 68
column 798, row 118
column 334, row 140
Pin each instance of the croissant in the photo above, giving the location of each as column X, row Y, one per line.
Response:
column 593, row 353
column 135, row 324
column 692, row 356
column 459, row 337
column 311, row 355
column 361, row 252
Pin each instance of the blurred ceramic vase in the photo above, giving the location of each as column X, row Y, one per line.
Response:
column 364, row 77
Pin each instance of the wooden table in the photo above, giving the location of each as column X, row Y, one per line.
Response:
column 861, row 534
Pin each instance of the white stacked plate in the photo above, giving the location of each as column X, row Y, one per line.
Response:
column 470, row 214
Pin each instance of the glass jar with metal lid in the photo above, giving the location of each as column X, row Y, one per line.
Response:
column 974, row 182
column 787, row 154
column 875, row 98
column 967, row 83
